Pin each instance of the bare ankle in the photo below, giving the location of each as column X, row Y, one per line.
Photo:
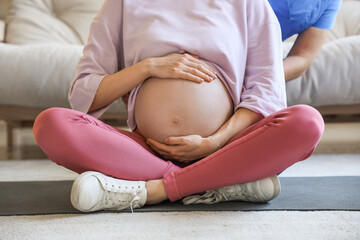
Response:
column 155, row 191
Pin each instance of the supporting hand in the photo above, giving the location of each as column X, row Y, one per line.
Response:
column 184, row 148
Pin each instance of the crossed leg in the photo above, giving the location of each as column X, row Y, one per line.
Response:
column 82, row 143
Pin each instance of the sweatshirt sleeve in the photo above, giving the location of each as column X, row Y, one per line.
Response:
column 101, row 57
column 264, row 81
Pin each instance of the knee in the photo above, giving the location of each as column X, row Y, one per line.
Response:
column 47, row 123
column 306, row 121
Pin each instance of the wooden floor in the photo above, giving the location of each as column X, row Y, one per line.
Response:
column 21, row 152
column 337, row 138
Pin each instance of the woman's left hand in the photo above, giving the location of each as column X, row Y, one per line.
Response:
column 184, row 149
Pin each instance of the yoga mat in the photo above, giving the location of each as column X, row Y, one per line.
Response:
column 298, row 194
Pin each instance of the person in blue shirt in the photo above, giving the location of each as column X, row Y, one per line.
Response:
column 311, row 20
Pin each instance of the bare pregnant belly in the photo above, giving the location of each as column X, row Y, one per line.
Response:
column 177, row 107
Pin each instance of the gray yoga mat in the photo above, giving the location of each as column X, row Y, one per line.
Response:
column 298, row 194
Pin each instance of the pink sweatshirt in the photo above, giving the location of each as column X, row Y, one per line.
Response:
column 240, row 39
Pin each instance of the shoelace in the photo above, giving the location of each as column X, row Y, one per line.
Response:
column 236, row 191
column 113, row 196
column 209, row 197
column 221, row 194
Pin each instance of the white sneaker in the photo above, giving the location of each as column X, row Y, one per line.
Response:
column 262, row 190
column 94, row 191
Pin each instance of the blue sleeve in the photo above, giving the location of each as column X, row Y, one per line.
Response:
column 327, row 19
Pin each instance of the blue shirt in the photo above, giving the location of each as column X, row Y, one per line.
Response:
column 295, row 16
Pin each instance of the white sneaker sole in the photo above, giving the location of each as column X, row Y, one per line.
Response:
column 277, row 186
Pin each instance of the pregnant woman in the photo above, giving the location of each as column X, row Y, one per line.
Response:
column 203, row 83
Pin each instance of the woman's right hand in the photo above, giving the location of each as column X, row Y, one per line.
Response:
column 184, row 66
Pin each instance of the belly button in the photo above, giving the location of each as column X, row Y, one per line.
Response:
column 175, row 120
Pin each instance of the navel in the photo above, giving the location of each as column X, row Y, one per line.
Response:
column 175, row 120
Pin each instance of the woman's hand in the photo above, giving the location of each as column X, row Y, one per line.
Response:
column 184, row 66
column 184, row 149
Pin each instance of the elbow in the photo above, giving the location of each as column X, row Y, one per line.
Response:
column 304, row 66
column 303, row 71
column 307, row 61
column 297, row 69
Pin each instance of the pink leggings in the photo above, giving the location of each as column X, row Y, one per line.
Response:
column 82, row 143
